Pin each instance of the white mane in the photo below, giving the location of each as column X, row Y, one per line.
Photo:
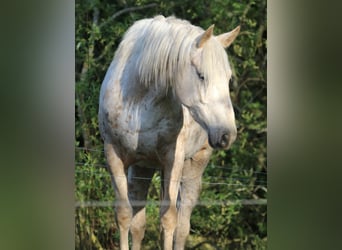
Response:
column 160, row 48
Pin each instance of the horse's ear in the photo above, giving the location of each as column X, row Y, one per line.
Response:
column 205, row 36
column 226, row 39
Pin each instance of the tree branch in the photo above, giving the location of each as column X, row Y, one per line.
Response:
column 130, row 9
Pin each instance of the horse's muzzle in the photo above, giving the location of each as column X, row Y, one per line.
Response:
column 222, row 140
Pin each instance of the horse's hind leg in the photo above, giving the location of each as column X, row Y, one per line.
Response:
column 139, row 180
column 189, row 192
column 122, row 206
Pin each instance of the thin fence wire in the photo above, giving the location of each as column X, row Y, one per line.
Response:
column 204, row 203
column 90, row 149
column 214, row 181
column 218, row 180
column 103, row 165
column 209, row 166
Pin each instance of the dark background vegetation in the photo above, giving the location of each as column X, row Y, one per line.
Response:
column 37, row 127
column 232, row 213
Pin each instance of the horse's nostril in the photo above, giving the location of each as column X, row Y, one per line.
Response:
column 224, row 141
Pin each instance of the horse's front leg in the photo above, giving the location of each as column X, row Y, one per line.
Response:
column 172, row 175
column 123, row 207
column 189, row 192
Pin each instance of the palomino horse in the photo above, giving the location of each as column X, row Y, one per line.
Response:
column 164, row 103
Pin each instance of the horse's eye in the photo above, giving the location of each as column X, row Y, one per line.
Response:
column 200, row 76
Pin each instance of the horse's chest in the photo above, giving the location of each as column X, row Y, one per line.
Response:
column 145, row 129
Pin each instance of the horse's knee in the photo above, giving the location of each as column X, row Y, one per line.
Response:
column 169, row 219
column 138, row 224
column 123, row 217
column 137, row 231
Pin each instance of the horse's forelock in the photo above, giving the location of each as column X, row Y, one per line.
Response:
column 214, row 60
column 163, row 46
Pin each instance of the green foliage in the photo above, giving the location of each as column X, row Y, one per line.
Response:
column 232, row 177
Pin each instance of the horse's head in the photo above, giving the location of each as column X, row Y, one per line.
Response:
column 204, row 87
